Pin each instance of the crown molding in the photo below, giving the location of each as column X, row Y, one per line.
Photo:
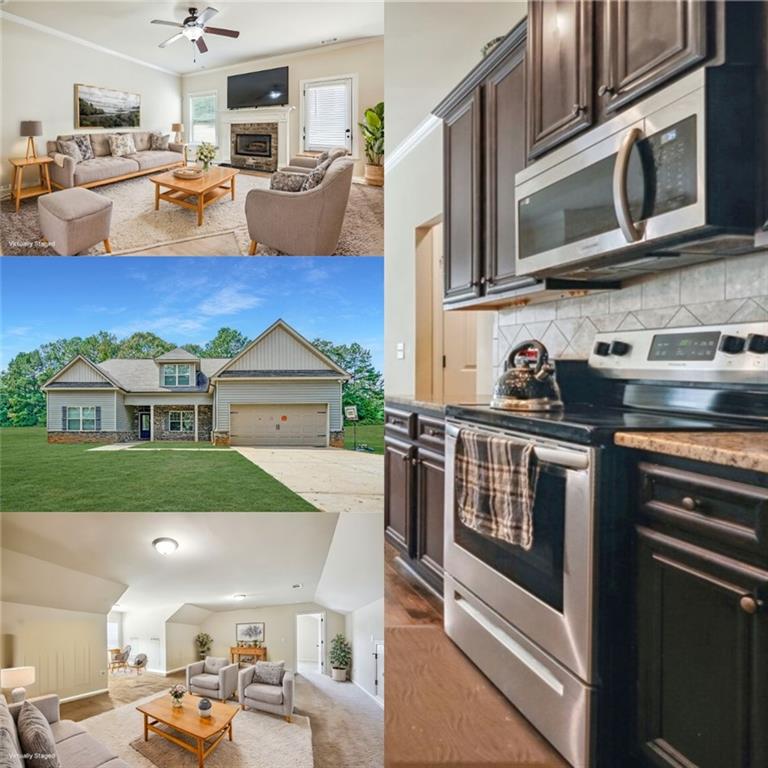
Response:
column 419, row 134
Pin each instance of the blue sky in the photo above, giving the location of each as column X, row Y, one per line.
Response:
column 188, row 300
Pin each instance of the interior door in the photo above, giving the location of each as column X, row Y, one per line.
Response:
column 379, row 682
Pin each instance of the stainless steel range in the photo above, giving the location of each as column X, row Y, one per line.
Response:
column 549, row 626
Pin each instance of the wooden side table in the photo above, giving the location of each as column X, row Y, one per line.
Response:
column 20, row 193
column 236, row 652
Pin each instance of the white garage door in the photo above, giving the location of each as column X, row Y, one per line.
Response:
column 278, row 425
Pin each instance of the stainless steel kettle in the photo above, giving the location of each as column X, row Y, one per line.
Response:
column 528, row 383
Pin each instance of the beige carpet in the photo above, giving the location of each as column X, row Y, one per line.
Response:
column 260, row 741
column 137, row 226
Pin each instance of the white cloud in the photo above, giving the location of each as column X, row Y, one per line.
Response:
column 159, row 325
column 18, row 330
column 228, row 301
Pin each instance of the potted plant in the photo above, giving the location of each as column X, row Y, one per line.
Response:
column 177, row 694
column 204, row 643
column 340, row 657
column 205, row 154
column 372, row 128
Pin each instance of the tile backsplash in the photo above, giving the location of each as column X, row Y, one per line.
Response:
column 725, row 291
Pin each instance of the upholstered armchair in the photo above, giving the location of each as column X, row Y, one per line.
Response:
column 277, row 699
column 215, row 677
column 301, row 223
column 120, row 659
column 306, row 163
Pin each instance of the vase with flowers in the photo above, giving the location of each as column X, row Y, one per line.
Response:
column 206, row 152
column 177, row 694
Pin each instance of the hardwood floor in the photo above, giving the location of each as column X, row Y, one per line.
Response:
column 440, row 709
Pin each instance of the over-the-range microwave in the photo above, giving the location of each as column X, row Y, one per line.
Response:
column 669, row 181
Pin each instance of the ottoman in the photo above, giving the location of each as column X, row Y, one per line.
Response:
column 75, row 219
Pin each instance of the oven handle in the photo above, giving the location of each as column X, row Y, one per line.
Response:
column 561, row 457
column 632, row 232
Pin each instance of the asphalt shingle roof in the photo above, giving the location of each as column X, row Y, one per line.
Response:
column 144, row 375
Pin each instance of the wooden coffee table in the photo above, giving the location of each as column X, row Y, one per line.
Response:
column 213, row 184
column 187, row 721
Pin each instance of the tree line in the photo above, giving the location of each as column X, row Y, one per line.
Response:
column 22, row 401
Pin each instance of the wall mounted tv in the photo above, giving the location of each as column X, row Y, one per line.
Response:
column 267, row 88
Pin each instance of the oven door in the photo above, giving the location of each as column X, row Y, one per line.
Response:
column 548, row 593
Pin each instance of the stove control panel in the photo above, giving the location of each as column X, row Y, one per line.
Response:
column 735, row 352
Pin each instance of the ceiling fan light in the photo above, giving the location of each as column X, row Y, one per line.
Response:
column 165, row 546
column 192, row 33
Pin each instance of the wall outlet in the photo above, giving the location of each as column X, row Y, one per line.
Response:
column 400, row 350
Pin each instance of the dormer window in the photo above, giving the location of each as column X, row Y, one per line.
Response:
column 177, row 375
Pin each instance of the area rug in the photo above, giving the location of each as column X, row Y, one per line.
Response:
column 260, row 741
column 137, row 226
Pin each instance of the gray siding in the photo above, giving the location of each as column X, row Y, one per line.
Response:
column 279, row 351
column 122, row 415
column 267, row 392
column 57, row 399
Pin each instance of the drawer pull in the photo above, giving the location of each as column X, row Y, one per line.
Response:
column 433, row 432
column 749, row 605
column 397, row 422
column 691, row 504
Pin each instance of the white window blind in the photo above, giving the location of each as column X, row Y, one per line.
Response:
column 328, row 114
column 202, row 112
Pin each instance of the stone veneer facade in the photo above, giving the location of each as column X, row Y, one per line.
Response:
column 250, row 162
column 161, row 432
column 92, row 437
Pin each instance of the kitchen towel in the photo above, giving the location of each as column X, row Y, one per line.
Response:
column 496, row 486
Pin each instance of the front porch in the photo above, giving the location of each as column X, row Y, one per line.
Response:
column 172, row 422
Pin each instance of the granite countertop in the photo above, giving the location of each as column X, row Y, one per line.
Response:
column 434, row 406
column 745, row 450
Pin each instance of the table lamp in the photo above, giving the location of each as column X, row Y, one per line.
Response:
column 30, row 129
column 17, row 678
column 178, row 128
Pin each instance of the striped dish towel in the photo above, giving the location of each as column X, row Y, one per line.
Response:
column 496, row 486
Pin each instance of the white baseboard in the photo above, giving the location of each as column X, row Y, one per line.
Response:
column 369, row 694
column 84, row 695
column 178, row 669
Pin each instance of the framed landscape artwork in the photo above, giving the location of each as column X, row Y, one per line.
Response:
column 105, row 108
column 253, row 632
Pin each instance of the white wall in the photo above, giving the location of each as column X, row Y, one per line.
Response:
column 180, row 648
column 364, row 59
column 39, row 72
column 308, row 628
column 365, row 628
column 144, row 631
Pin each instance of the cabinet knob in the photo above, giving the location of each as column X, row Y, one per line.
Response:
column 604, row 89
column 749, row 604
column 579, row 108
column 414, row 462
column 690, row 503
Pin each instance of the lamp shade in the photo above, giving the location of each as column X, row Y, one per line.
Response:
column 177, row 127
column 16, row 677
column 31, row 128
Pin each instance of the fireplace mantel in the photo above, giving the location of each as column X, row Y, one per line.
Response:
column 279, row 115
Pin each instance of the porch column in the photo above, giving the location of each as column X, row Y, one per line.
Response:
column 195, row 422
column 151, row 422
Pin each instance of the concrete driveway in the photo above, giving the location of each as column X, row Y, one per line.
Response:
column 333, row 479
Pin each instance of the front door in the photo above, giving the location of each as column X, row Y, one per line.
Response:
column 144, row 431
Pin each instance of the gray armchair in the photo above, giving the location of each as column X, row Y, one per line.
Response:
column 301, row 223
column 306, row 163
column 215, row 677
column 277, row 699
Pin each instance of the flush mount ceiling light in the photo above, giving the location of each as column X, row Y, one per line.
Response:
column 329, row 41
column 296, row 586
column 238, row 597
column 165, row 546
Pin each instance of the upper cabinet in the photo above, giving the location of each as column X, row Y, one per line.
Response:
column 560, row 75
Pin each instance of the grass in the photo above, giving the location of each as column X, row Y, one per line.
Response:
column 371, row 435
column 168, row 445
column 38, row 477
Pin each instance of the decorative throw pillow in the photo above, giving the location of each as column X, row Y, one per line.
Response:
column 286, row 182
column 159, row 141
column 70, row 149
column 121, row 144
column 315, row 176
column 269, row 672
column 83, row 142
column 36, row 737
column 10, row 749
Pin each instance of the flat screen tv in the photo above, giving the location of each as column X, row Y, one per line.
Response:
column 267, row 88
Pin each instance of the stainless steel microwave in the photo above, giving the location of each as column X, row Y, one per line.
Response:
column 669, row 181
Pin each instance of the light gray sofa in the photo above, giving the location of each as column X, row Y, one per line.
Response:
column 277, row 699
column 215, row 677
column 104, row 168
column 301, row 223
column 75, row 747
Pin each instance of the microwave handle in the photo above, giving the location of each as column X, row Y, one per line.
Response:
column 632, row 232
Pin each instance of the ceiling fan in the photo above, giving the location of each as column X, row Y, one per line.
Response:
column 193, row 27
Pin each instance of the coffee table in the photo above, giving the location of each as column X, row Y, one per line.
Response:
column 213, row 184
column 186, row 720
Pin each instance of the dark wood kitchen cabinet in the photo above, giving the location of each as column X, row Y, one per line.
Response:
column 398, row 490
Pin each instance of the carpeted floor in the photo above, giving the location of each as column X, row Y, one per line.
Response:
column 136, row 226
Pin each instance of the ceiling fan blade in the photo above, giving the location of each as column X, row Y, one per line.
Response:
column 167, row 23
column 201, row 46
column 207, row 14
column 171, row 40
column 220, row 31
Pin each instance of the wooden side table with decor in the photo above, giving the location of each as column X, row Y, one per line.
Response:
column 20, row 193
column 235, row 652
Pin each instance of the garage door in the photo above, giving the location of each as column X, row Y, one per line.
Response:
column 278, row 425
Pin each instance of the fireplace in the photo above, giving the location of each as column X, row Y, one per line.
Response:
column 253, row 144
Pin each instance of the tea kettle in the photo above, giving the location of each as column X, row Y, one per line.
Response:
column 528, row 381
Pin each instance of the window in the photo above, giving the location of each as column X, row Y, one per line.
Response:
column 327, row 108
column 113, row 634
column 176, row 375
column 81, row 419
column 180, row 421
column 202, row 117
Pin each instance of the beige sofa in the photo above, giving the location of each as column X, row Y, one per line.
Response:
column 104, row 168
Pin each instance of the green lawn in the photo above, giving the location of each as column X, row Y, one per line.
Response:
column 371, row 435
column 38, row 477
column 168, row 445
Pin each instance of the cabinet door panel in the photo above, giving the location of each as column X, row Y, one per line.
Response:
column 398, row 493
column 648, row 43
column 430, row 511
column 462, row 204
column 560, row 51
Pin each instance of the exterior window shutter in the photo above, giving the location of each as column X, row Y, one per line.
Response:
column 98, row 418
column 64, row 418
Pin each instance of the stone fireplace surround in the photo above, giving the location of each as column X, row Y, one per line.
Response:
column 249, row 161
column 279, row 116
